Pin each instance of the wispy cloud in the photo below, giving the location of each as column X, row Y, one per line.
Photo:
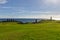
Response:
column 5, row 7
column 51, row 2
column 3, row 1
column 41, row 12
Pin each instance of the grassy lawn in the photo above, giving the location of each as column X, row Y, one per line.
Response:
column 42, row 31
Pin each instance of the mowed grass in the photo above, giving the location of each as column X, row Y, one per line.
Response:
column 41, row 31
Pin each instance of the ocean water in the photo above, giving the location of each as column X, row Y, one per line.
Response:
column 20, row 19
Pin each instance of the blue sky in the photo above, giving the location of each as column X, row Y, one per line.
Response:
column 29, row 8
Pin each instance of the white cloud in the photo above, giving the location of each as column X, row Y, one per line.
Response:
column 5, row 7
column 45, row 12
column 51, row 2
column 3, row 1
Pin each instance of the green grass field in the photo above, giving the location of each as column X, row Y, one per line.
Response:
column 41, row 31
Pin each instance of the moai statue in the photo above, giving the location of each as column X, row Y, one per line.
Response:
column 50, row 18
column 35, row 20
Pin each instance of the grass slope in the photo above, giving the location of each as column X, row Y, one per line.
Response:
column 42, row 31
